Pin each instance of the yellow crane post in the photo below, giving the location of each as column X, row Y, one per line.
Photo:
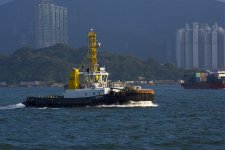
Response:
column 92, row 54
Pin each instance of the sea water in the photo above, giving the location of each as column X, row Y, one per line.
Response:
column 178, row 119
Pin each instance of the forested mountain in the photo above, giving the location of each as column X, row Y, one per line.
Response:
column 145, row 28
column 55, row 63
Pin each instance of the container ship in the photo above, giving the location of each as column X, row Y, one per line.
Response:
column 205, row 80
column 90, row 87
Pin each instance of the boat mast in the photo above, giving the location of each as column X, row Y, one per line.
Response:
column 92, row 53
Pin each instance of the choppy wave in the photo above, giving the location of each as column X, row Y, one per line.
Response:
column 133, row 104
column 13, row 106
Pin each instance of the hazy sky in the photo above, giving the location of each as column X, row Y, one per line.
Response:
column 4, row 1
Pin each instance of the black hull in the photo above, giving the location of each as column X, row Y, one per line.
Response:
column 60, row 101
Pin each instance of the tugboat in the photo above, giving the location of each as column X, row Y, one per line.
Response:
column 205, row 80
column 90, row 87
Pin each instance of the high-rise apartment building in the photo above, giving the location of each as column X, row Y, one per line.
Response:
column 200, row 46
column 188, row 47
column 51, row 24
column 195, row 45
column 180, row 47
column 214, row 47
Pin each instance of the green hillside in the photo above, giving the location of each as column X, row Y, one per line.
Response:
column 55, row 63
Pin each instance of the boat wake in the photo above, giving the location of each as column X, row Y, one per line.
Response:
column 13, row 106
column 132, row 104
column 129, row 105
column 44, row 108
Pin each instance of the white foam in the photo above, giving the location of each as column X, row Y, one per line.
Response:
column 133, row 104
column 13, row 106
column 43, row 108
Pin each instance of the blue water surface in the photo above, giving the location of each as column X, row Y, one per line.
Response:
column 183, row 119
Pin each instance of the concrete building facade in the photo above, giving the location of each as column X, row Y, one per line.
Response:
column 52, row 27
column 200, row 47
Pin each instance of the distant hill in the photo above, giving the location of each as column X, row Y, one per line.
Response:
column 145, row 28
column 55, row 63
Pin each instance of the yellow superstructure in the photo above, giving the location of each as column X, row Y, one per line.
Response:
column 94, row 75
column 92, row 54
column 74, row 80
